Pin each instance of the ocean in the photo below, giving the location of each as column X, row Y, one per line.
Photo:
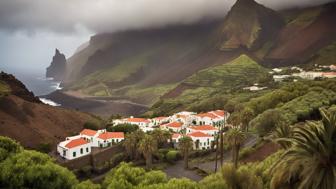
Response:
column 39, row 85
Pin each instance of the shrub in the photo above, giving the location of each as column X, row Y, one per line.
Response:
column 94, row 125
column 44, row 147
column 172, row 156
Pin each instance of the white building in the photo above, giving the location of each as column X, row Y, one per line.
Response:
column 184, row 117
column 207, row 129
column 173, row 126
column 91, row 136
column 75, row 148
column 201, row 141
column 175, row 139
column 214, row 118
column 279, row 78
column 159, row 121
column 108, row 139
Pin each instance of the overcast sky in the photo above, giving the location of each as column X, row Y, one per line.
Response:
column 30, row 30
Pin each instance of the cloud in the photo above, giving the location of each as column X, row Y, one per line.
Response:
column 64, row 16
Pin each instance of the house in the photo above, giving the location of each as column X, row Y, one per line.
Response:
column 184, row 117
column 159, row 121
column 207, row 129
column 175, row 139
column 107, row 139
column 214, row 118
column 91, row 136
column 329, row 74
column 201, row 140
column 75, row 148
column 176, row 127
column 280, row 78
column 141, row 122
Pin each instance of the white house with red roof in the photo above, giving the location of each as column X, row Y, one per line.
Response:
column 175, row 127
column 214, row 118
column 175, row 139
column 201, row 140
column 207, row 129
column 156, row 121
column 74, row 148
column 184, row 117
column 108, row 139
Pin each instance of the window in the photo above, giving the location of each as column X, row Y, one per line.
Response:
column 81, row 150
column 87, row 149
column 74, row 154
column 64, row 153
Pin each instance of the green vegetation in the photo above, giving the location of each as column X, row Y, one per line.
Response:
column 213, row 86
column 326, row 56
column 309, row 162
column 185, row 146
column 125, row 128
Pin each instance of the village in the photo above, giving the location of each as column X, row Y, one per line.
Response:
column 202, row 128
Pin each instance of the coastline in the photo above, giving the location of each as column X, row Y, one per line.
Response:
column 100, row 107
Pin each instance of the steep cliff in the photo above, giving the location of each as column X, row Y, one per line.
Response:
column 57, row 67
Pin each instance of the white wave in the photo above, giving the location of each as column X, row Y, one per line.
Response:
column 57, row 85
column 49, row 102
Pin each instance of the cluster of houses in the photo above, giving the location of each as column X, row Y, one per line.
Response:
column 202, row 128
column 310, row 75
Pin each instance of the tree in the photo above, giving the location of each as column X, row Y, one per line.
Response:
column 87, row 185
column 125, row 128
column 148, row 146
column 131, row 143
column 185, row 146
column 282, row 132
column 161, row 136
column 235, row 138
column 31, row 169
column 267, row 121
column 310, row 161
column 241, row 178
column 8, row 147
column 245, row 117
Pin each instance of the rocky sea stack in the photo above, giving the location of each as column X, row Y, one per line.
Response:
column 57, row 67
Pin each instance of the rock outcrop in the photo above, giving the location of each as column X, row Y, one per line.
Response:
column 57, row 67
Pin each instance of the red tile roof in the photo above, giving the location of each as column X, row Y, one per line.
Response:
column 203, row 127
column 88, row 132
column 218, row 112
column 137, row 120
column 159, row 118
column 176, row 135
column 109, row 135
column 198, row 134
column 174, row 124
column 210, row 115
column 76, row 142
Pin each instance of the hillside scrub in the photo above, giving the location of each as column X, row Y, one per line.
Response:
column 216, row 85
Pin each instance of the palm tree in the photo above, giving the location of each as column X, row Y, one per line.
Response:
column 148, row 146
column 235, row 138
column 131, row 143
column 310, row 162
column 185, row 146
column 282, row 132
column 245, row 117
column 161, row 136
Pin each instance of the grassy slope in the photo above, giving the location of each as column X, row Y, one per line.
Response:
column 326, row 56
column 215, row 84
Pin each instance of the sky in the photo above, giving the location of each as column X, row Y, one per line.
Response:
column 30, row 30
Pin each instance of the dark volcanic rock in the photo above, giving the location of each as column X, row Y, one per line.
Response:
column 57, row 67
column 18, row 88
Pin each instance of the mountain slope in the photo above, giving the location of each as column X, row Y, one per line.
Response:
column 144, row 65
column 32, row 123
column 249, row 25
column 211, row 86
column 305, row 34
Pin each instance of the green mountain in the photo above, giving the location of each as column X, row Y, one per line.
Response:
column 150, row 65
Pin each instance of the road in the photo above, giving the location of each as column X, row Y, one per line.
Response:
column 177, row 170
